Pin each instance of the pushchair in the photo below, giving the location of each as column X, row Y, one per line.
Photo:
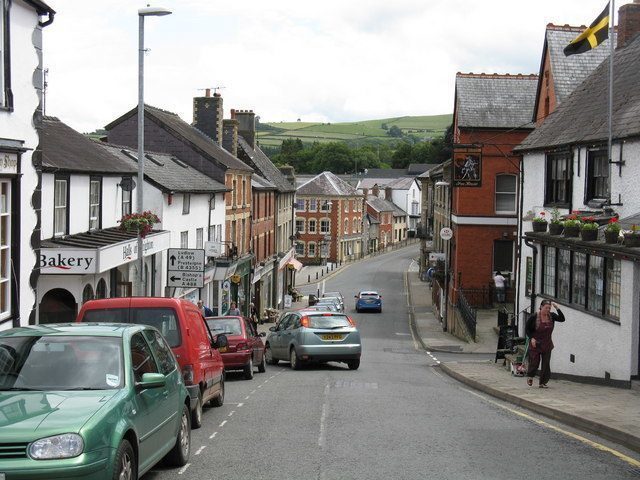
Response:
column 520, row 366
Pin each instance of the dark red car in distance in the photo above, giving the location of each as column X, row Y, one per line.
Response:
column 245, row 349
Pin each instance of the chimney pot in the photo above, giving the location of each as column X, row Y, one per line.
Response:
column 628, row 23
column 207, row 92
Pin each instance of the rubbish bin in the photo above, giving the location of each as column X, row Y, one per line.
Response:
column 312, row 299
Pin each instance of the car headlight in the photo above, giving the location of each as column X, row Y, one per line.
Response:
column 67, row 445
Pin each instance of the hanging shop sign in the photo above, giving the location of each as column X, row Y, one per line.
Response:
column 467, row 167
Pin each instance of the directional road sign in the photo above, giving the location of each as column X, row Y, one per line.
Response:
column 185, row 267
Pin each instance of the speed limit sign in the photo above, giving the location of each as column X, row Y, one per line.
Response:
column 446, row 233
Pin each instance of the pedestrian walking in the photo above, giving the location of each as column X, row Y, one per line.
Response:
column 206, row 311
column 253, row 314
column 499, row 281
column 234, row 310
column 539, row 329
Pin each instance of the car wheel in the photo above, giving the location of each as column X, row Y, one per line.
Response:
column 262, row 367
column 293, row 359
column 248, row 370
column 219, row 400
column 269, row 356
column 196, row 414
column 353, row 364
column 126, row 465
column 179, row 454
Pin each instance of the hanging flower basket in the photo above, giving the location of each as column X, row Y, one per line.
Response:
column 556, row 228
column 571, row 231
column 589, row 235
column 631, row 240
column 539, row 226
column 611, row 237
column 139, row 223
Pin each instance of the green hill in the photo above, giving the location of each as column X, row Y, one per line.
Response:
column 424, row 127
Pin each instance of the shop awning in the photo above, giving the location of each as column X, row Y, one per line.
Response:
column 296, row 264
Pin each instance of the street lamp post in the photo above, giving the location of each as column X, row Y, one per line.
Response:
column 445, row 234
column 143, row 12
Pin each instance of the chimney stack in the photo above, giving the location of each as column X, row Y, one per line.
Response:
column 375, row 190
column 207, row 115
column 388, row 191
column 246, row 125
column 230, row 136
column 628, row 23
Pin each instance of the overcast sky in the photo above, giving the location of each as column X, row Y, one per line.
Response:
column 335, row 60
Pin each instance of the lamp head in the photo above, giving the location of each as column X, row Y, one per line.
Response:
column 442, row 184
column 153, row 11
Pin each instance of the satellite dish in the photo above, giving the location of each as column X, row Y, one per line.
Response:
column 127, row 184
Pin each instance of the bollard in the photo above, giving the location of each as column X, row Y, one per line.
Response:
column 316, row 275
column 322, row 272
column 332, row 266
column 308, row 278
column 327, row 270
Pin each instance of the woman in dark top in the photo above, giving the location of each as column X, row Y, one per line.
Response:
column 539, row 329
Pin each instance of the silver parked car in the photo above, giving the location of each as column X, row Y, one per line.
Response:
column 335, row 294
column 306, row 336
column 331, row 301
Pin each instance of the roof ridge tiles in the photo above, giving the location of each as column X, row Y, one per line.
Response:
column 512, row 76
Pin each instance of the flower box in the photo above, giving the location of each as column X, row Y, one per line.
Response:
column 611, row 237
column 589, row 235
column 539, row 226
column 632, row 240
column 571, row 231
column 556, row 228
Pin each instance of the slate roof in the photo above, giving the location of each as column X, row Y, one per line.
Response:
column 418, row 168
column 257, row 159
column 166, row 171
column 495, row 101
column 583, row 116
column 328, row 184
column 568, row 72
column 403, row 183
column 383, row 205
column 261, row 183
column 384, row 173
column 188, row 133
column 65, row 150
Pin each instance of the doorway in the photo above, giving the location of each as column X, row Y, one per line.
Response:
column 57, row 306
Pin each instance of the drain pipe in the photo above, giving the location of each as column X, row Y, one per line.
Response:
column 528, row 243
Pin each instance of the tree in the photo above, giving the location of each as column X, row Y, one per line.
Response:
column 394, row 131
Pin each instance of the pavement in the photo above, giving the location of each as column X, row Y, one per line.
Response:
column 611, row 413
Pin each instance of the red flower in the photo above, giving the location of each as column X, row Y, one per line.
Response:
column 542, row 214
column 613, row 220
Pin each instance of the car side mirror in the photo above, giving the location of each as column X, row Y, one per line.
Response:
column 151, row 380
column 221, row 341
column 355, row 296
column 273, row 329
column 262, row 334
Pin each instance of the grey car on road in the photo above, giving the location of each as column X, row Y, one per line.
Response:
column 307, row 336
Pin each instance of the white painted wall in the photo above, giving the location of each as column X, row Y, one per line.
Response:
column 18, row 125
column 599, row 346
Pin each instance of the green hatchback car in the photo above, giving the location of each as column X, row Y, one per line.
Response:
column 89, row 401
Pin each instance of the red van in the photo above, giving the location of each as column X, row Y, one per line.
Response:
column 185, row 330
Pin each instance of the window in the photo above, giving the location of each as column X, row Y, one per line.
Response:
column 184, row 239
column 199, row 238
column 313, row 205
column 346, row 206
column 163, row 352
column 6, row 99
column 212, row 233
column 126, row 198
column 415, row 211
column 234, row 193
column 355, row 225
column 346, row 226
column 5, row 247
column 101, row 289
column 612, row 301
column 300, row 225
column 505, row 194
column 325, row 206
column 558, row 181
column 311, row 249
column 596, row 284
column 311, row 226
column 60, row 202
column 244, row 191
column 186, row 203
column 87, row 293
column 597, row 175
column 579, row 273
column 324, row 225
column 549, row 272
column 564, row 275
column 212, row 202
column 141, row 358
column 300, row 249
column 95, row 195
column 503, row 255
column 300, row 205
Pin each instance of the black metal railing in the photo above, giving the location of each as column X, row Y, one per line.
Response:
column 467, row 313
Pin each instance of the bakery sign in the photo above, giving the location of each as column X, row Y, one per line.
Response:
column 65, row 261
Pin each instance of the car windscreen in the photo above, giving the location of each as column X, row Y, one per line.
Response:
column 162, row 318
column 61, row 363
column 328, row 321
column 369, row 295
column 228, row 326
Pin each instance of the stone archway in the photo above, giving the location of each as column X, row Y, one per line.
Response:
column 57, row 306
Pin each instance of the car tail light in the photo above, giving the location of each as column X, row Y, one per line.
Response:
column 242, row 346
column 187, row 374
column 351, row 321
column 304, row 321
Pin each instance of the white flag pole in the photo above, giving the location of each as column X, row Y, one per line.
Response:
column 611, row 48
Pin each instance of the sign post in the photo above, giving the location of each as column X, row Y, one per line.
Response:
column 185, row 267
column 446, row 234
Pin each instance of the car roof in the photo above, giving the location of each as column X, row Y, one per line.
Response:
column 332, row 294
column 75, row 329
column 134, row 302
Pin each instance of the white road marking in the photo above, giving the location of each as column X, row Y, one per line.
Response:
column 247, row 397
column 213, row 435
column 231, row 413
column 199, row 451
column 252, row 392
column 184, row 469
column 259, row 386
column 240, row 404
column 222, row 424
column 323, row 417
column 403, row 334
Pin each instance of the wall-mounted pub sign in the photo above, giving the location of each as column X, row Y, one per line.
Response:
column 467, row 167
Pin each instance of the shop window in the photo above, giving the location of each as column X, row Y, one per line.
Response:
column 95, row 200
column 87, row 293
column 101, row 289
column 558, row 179
column 579, row 275
column 549, row 271
column 596, row 284
column 60, row 206
column 5, row 248
column 564, row 275
column 613, row 288
column 505, row 194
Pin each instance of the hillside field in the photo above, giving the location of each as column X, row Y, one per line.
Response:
column 426, row 127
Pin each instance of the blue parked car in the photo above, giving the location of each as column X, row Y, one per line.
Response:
column 368, row 300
